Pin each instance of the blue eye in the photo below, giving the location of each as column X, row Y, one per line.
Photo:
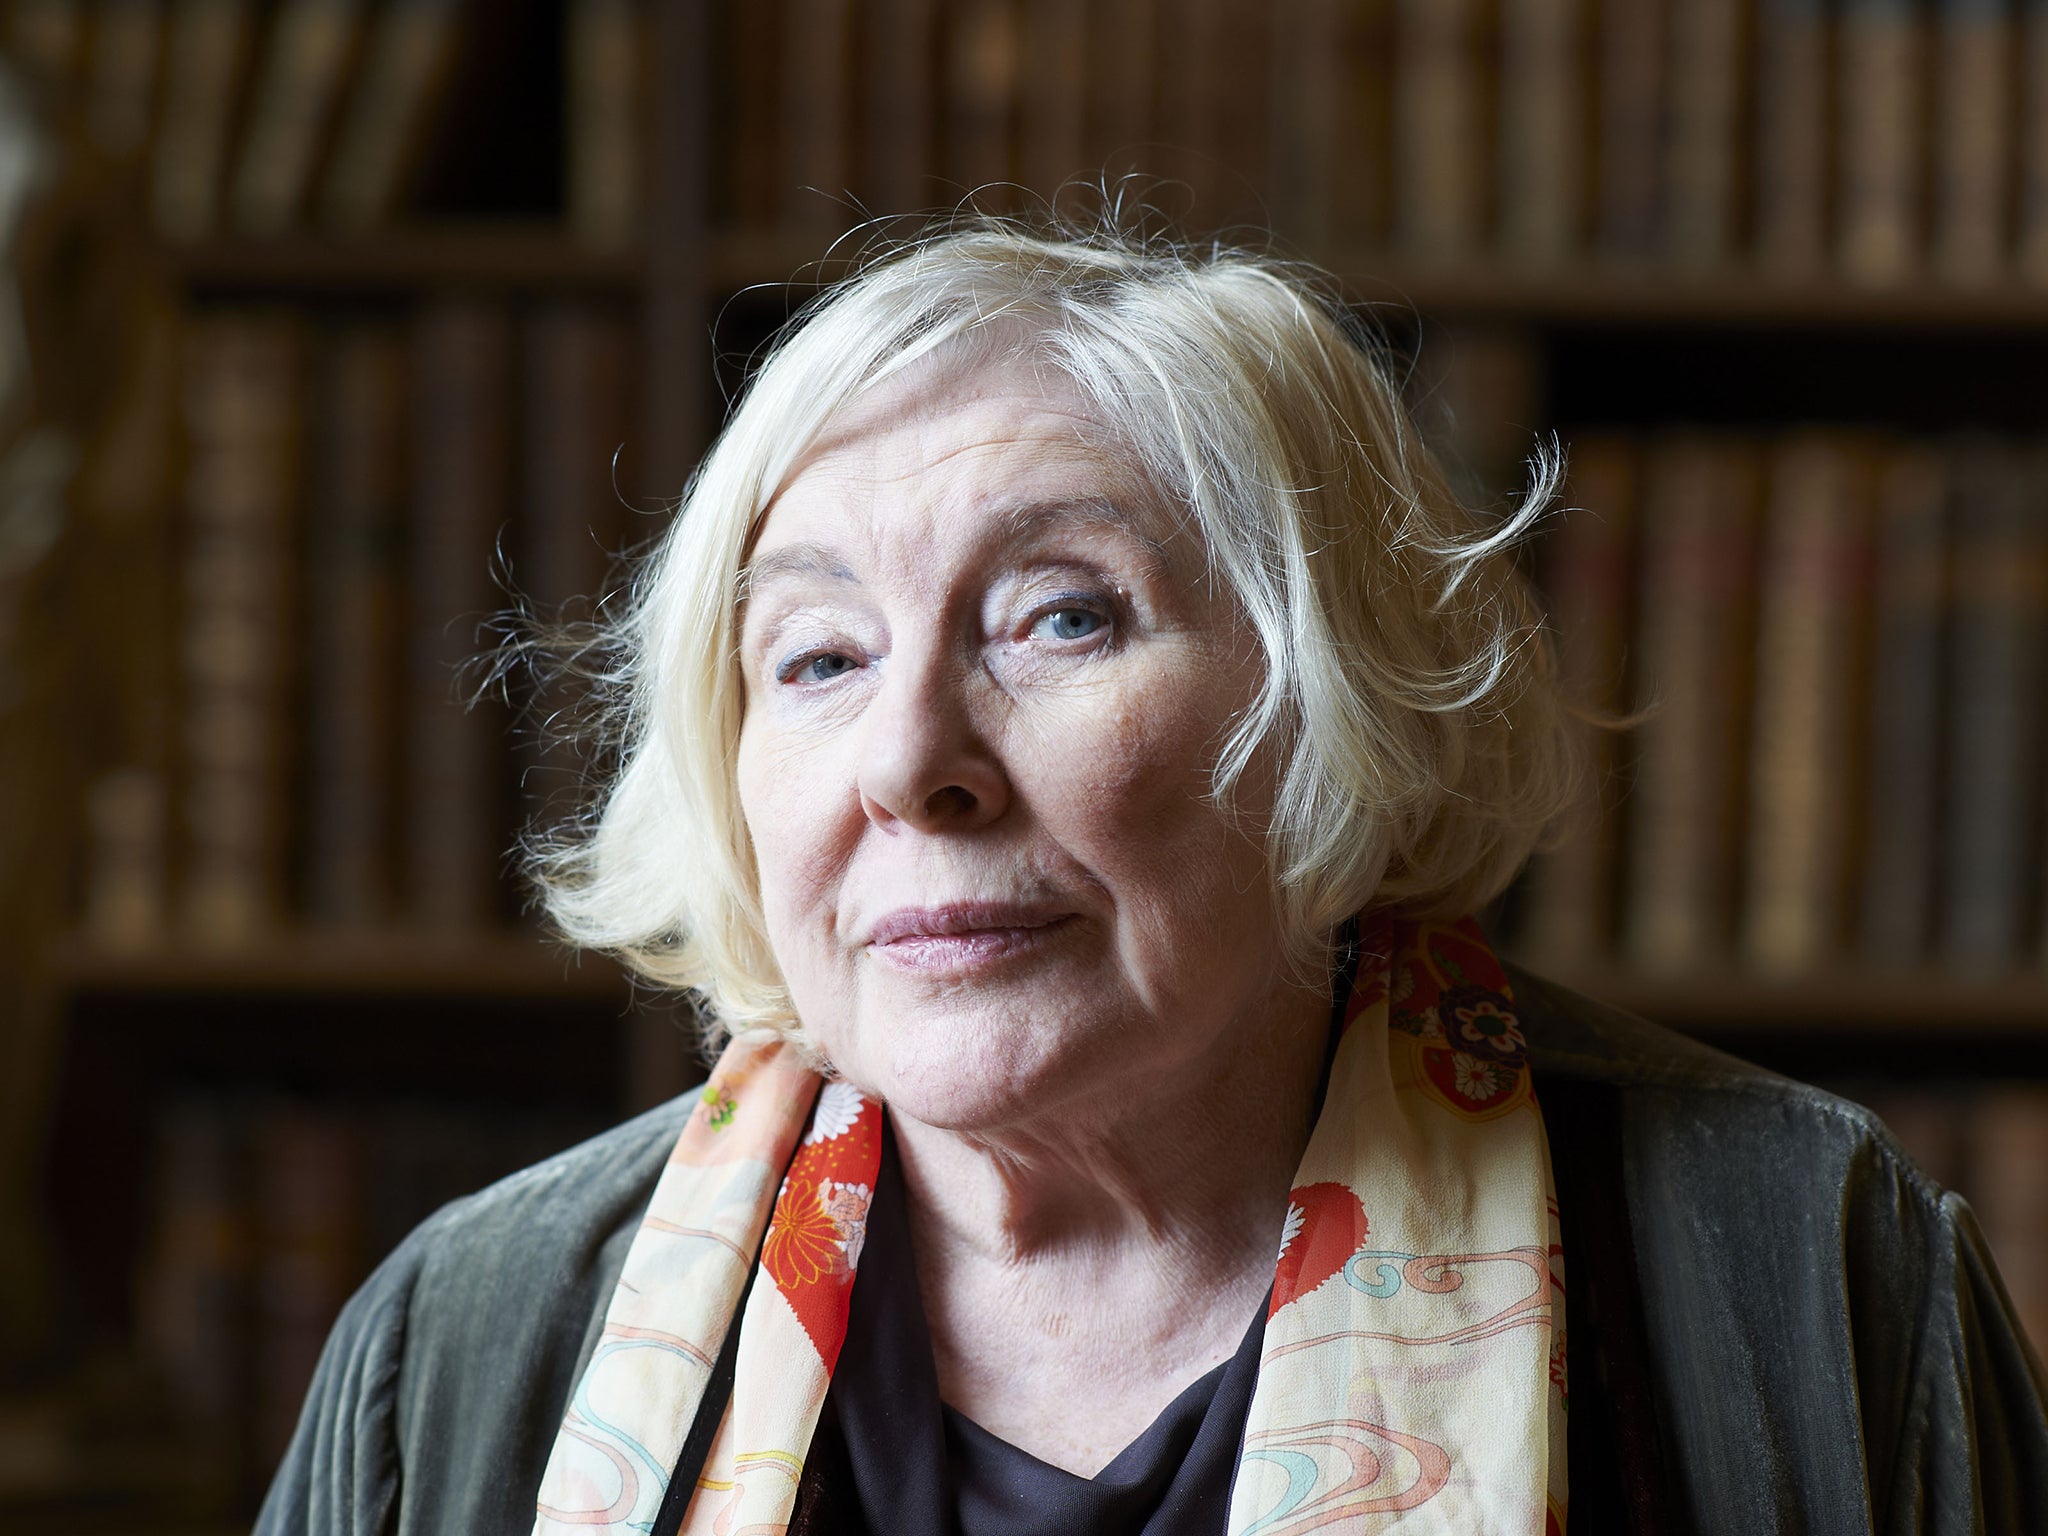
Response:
column 1069, row 623
column 819, row 668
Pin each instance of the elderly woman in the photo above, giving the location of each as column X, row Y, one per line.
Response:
column 1064, row 731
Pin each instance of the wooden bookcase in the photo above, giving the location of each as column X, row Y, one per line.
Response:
column 314, row 1018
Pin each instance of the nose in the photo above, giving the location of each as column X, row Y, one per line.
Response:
column 924, row 765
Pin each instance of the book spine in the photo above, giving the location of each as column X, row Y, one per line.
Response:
column 1304, row 87
column 1588, row 567
column 2008, row 1186
column 607, row 90
column 121, row 104
column 242, row 418
column 355, row 671
column 1123, row 84
column 2000, row 635
column 1706, row 93
column 1191, row 59
column 814, row 109
column 1809, row 670
column 1699, row 531
column 1438, row 165
column 901, row 69
column 462, row 364
column 981, row 99
column 409, row 54
column 208, row 47
column 1543, row 150
column 1973, row 136
column 1880, row 51
column 298, row 86
column 1906, row 723
column 1631, row 133
column 1794, row 110
column 1361, row 191
column 2033, row 140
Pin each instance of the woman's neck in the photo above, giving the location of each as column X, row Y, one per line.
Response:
column 1079, row 1271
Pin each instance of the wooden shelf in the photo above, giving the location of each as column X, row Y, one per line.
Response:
column 1576, row 294
column 365, row 964
column 483, row 256
column 1734, row 1005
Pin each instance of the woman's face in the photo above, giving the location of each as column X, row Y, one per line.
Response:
column 986, row 684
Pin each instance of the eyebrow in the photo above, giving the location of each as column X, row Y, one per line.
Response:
column 818, row 562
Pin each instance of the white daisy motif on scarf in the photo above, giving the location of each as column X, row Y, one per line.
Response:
column 839, row 1105
column 1292, row 1229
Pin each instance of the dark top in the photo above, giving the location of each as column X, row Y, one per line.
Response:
column 1824, row 1344
column 890, row 1459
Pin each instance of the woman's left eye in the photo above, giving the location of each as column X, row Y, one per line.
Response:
column 1068, row 624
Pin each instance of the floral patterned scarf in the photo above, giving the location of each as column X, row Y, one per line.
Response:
column 1412, row 1374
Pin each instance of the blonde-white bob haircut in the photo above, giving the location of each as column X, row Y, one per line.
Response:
column 1409, row 709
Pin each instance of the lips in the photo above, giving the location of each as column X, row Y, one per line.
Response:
column 963, row 919
column 961, row 936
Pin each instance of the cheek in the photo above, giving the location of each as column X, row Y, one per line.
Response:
column 793, row 810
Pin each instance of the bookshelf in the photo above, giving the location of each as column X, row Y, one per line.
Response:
column 1566, row 228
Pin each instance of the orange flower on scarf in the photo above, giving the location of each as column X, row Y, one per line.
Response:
column 802, row 1246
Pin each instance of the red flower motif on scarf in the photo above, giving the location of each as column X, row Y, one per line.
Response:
column 1325, row 1226
column 802, row 1246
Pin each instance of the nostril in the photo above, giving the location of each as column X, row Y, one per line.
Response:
column 953, row 800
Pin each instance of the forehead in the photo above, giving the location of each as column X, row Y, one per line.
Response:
column 981, row 442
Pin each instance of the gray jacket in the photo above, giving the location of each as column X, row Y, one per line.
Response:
column 1791, row 1328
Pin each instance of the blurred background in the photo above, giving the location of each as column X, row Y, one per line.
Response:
column 328, row 324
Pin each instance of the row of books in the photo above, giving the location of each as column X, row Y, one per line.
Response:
column 259, row 119
column 265, row 1214
column 1880, row 138
column 1838, row 647
column 361, row 501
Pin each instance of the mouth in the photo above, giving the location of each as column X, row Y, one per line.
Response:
column 961, row 935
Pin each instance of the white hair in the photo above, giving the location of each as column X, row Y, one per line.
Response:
column 1409, row 701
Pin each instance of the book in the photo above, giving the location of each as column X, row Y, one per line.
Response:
column 1192, row 66
column 355, row 676
column 2032, row 149
column 1544, row 152
column 1439, row 159
column 1123, row 84
column 1793, row 117
column 980, row 101
column 2008, row 1186
column 750, row 83
column 243, row 421
column 1587, row 570
column 1306, row 82
column 1997, row 676
column 306, row 1209
column 47, row 36
column 1361, row 159
column 901, row 96
column 455, row 827
column 815, row 170
column 390, row 113
column 298, row 89
column 1880, row 132
column 1705, row 89
column 1906, row 719
column 1811, row 675
column 1699, row 522
column 607, row 120
column 1972, row 138
column 126, row 881
column 206, row 59
column 127, row 42
column 1631, row 129
column 578, row 364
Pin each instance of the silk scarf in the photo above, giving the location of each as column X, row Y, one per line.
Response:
column 1412, row 1374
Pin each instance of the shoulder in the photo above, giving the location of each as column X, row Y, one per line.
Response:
column 1671, row 1083
column 460, row 1352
